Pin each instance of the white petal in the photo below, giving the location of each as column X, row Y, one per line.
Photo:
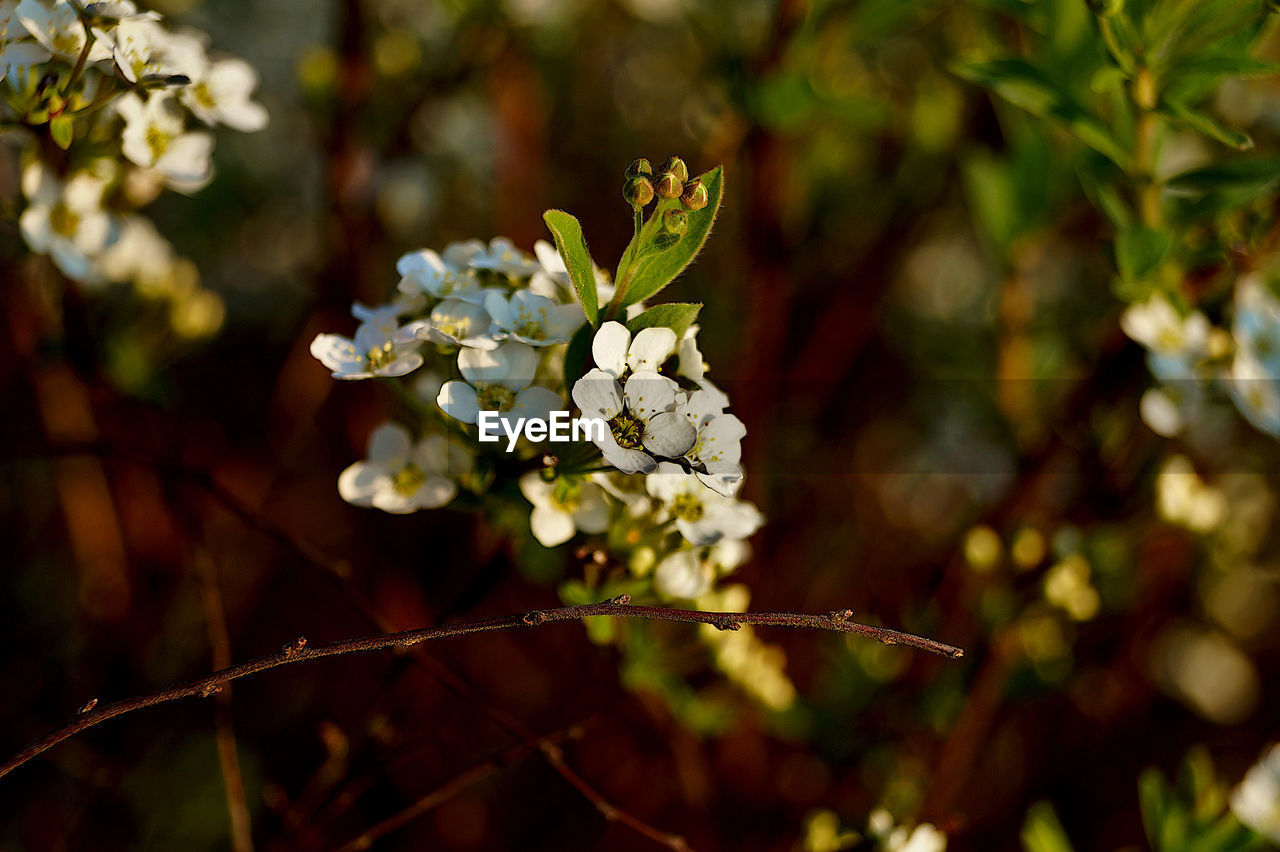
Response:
column 597, row 395
column 389, row 446
column 335, row 352
column 668, row 434
column 359, row 482
column 435, row 491
column 402, row 366
column 609, row 347
column 551, row 526
column 650, row 348
column 648, row 393
column 500, row 309
column 536, row 403
column 458, row 400
column 593, row 509
column 536, row 489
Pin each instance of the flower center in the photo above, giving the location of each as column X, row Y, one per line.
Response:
column 380, row 356
column 687, row 507
column 63, row 220
column 627, row 430
column 408, row 480
column 204, row 97
column 496, row 398
column 158, row 141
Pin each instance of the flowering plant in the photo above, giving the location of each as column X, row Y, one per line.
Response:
column 481, row 331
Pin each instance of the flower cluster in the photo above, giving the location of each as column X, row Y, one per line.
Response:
column 487, row 333
column 115, row 89
column 1191, row 357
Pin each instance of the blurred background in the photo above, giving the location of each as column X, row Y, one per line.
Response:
column 943, row 431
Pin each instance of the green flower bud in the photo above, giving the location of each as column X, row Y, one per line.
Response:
column 640, row 168
column 675, row 221
column 676, row 166
column 638, row 192
column 669, row 186
column 695, row 195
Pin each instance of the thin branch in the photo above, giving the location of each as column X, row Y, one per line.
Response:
column 298, row 651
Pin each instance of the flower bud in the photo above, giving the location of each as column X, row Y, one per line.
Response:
column 669, row 186
column 695, row 195
column 640, row 168
column 675, row 221
column 638, row 192
column 676, row 166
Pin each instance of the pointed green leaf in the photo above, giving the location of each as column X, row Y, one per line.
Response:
column 1027, row 86
column 573, row 251
column 677, row 316
column 1204, row 123
column 62, row 129
column 648, row 265
column 1042, row 832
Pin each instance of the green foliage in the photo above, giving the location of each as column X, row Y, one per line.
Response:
column 1191, row 816
column 577, row 259
column 652, row 259
column 677, row 316
column 1042, row 832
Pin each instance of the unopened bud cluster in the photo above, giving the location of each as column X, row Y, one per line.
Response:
column 669, row 182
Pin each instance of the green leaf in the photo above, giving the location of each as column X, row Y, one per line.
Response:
column 573, row 251
column 1042, row 832
column 1026, row 86
column 1151, row 802
column 62, row 130
column 647, row 265
column 576, row 356
column 1139, row 250
column 1247, row 175
column 993, row 198
column 677, row 316
column 1193, row 119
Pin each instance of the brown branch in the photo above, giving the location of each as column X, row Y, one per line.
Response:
column 298, row 651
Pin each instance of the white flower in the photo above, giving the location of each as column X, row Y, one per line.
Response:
column 141, row 47
column 379, row 347
column 689, row 573
column 1256, row 802
column 17, row 58
column 65, row 221
column 1175, row 343
column 7, row 10
column 219, row 94
column 503, row 257
column 58, row 29
column 924, row 838
column 154, row 137
column 683, row 575
column 614, row 349
column 533, row 319
column 497, row 380
column 562, row 507
column 702, row 515
column 399, row 476
column 138, row 254
column 443, row 276
column 642, row 418
column 1161, row 413
column 1255, row 392
column 1256, row 325
column 455, row 322
column 716, row 454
